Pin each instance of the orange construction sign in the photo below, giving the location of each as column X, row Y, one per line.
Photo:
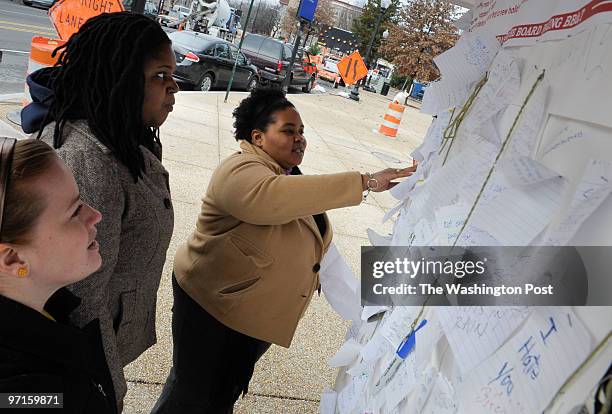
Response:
column 352, row 68
column 69, row 15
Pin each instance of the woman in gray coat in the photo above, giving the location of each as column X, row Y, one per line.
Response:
column 101, row 108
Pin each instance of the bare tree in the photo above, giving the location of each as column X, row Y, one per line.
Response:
column 325, row 15
column 265, row 17
column 422, row 30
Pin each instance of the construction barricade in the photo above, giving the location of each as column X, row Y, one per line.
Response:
column 392, row 120
column 40, row 57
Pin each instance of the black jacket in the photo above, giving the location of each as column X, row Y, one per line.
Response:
column 38, row 355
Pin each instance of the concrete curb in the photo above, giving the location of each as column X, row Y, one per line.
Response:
column 8, row 131
column 12, row 97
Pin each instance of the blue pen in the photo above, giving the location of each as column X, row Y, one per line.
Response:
column 401, row 353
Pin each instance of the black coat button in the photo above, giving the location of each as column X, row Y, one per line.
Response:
column 167, row 203
column 316, row 268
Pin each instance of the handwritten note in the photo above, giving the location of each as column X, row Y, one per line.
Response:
column 376, row 347
column 565, row 135
column 424, row 232
column 449, row 220
column 442, row 399
column 503, row 82
column 468, row 60
column 523, row 170
column 397, row 324
column 425, row 383
column 594, row 187
column 516, row 216
column 350, row 395
column 526, row 372
column 402, row 382
column 473, row 236
column 475, row 332
column 524, row 139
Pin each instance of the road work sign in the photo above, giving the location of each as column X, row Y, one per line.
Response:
column 69, row 15
column 352, row 68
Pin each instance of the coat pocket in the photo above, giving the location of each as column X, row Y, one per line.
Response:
column 248, row 261
column 240, row 287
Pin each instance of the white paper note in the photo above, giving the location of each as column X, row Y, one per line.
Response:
column 350, row 395
column 523, row 170
column 442, row 399
column 450, row 220
column 402, row 382
column 397, row 324
column 376, row 347
column 475, row 332
column 442, row 95
column 345, row 355
column 369, row 311
column 527, row 371
column 503, row 82
column 516, row 216
column 340, row 287
column 468, row 60
column 378, row 239
column 433, row 137
column 328, row 402
column 524, row 139
column 594, row 187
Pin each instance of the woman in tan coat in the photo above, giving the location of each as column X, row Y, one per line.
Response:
column 245, row 276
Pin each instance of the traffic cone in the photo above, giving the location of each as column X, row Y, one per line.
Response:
column 392, row 120
column 40, row 57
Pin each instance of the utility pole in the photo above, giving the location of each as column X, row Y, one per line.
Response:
column 229, row 85
column 296, row 44
column 384, row 4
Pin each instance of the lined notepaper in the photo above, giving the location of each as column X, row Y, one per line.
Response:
column 526, row 372
column 475, row 332
column 503, row 82
column 468, row 60
column 594, row 187
column 516, row 216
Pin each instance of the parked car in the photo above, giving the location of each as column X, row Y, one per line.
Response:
column 150, row 10
column 272, row 57
column 45, row 4
column 206, row 62
column 172, row 19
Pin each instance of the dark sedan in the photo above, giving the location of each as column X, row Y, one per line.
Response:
column 206, row 62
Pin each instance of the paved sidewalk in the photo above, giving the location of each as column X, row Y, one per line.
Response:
column 197, row 135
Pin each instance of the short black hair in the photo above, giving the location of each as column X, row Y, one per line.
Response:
column 100, row 78
column 257, row 111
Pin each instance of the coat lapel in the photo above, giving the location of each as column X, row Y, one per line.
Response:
column 249, row 148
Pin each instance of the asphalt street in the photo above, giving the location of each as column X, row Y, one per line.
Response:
column 18, row 24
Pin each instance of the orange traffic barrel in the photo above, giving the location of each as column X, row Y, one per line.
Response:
column 392, row 120
column 40, row 57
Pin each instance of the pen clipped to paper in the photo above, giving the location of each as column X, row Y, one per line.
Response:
column 401, row 353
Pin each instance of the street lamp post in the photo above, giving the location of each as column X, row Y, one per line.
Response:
column 384, row 4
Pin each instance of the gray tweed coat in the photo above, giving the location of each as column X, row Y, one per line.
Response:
column 134, row 234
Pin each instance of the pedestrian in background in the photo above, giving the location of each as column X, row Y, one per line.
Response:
column 47, row 240
column 246, row 275
column 101, row 108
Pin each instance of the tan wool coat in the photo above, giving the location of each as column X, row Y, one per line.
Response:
column 252, row 261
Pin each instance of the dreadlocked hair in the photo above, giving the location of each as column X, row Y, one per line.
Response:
column 101, row 79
